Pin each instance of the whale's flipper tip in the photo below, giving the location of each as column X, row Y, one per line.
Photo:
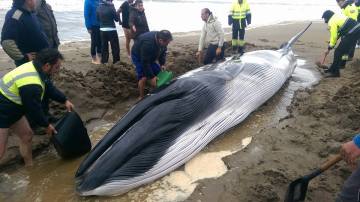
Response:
column 288, row 44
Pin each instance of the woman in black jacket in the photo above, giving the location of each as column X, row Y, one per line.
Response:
column 107, row 16
column 137, row 21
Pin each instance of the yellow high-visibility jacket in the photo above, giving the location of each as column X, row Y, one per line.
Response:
column 239, row 11
column 25, row 74
column 351, row 11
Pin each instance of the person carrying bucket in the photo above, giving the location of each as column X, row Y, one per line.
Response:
column 21, row 91
column 148, row 54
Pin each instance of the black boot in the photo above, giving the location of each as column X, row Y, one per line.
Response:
column 241, row 50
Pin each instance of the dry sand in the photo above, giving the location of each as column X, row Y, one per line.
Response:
column 319, row 119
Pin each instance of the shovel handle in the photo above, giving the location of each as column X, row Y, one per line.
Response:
column 324, row 57
column 330, row 162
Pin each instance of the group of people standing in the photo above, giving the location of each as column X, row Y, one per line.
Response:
column 100, row 17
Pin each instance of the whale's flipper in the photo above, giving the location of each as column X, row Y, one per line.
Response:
column 286, row 46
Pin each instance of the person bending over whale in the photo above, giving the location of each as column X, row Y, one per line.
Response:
column 149, row 56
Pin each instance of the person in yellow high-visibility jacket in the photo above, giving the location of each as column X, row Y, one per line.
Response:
column 346, row 28
column 21, row 91
column 349, row 9
column 239, row 18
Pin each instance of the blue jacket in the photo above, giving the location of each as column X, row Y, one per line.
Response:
column 90, row 7
column 24, row 28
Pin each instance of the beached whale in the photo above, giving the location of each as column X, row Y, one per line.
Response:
column 171, row 125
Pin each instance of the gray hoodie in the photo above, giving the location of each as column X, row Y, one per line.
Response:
column 212, row 33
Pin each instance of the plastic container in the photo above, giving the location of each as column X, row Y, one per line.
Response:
column 72, row 139
column 164, row 77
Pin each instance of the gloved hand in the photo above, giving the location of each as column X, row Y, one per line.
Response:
column 230, row 20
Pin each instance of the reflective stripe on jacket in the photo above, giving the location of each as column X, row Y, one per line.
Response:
column 25, row 74
column 239, row 11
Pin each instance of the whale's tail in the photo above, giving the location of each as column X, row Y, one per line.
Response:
column 287, row 45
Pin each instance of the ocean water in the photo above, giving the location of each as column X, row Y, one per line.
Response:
column 184, row 15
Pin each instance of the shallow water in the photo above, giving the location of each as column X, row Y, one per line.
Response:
column 52, row 179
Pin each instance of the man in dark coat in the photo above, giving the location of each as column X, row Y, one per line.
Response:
column 22, row 36
column 149, row 56
column 47, row 20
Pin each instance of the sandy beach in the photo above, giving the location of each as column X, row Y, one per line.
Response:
column 318, row 119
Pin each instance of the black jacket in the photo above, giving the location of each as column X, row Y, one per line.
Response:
column 138, row 19
column 31, row 100
column 106, row 15
column 22, row 33
column 47, row 20
column 147, row 49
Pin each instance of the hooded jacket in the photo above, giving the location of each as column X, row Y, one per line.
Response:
column 211, row 33
column 106, row 15
column 138, row 18
column 90, row 7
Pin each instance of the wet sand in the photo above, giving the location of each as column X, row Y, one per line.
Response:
column 290, row 145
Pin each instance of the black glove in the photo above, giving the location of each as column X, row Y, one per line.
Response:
column 230, row 20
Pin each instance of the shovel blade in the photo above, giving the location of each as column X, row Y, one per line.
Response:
column 297, row 189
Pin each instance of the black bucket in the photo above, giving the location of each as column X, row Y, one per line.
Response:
column 72, row 139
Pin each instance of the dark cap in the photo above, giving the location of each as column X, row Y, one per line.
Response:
column 327, row 15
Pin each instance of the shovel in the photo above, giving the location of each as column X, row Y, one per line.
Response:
column 297, row 189
column 320, row 64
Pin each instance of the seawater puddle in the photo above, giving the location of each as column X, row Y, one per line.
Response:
column 52, row 179
column 179, row 185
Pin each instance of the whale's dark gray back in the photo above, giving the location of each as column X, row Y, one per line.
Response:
column 172, row 124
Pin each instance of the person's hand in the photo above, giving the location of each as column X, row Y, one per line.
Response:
column 89, row 31
column 218, row 51
column 153, row 81
column 69, row 106
column 31, row 56
column 349, row 151
column 163, row 68
column 133, row 28
column 50, row 130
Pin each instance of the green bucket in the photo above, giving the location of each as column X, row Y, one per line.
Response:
column 164, row 77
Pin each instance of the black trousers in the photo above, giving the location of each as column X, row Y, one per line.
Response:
column 211, row 54
column 112, row 37
column 95, row 40
column 238, row 30
column 347, row 42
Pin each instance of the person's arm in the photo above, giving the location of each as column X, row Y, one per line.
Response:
column 9, row 37
column 87, row 14
column 31, row 100
column 202, row 38
column 248, row 14
column 333, row 36
column 350, row 151
column 54, row 93
column 146, row 24
column 162, row 57
column 132, row 21
column 220, row 31
column 115, row 14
